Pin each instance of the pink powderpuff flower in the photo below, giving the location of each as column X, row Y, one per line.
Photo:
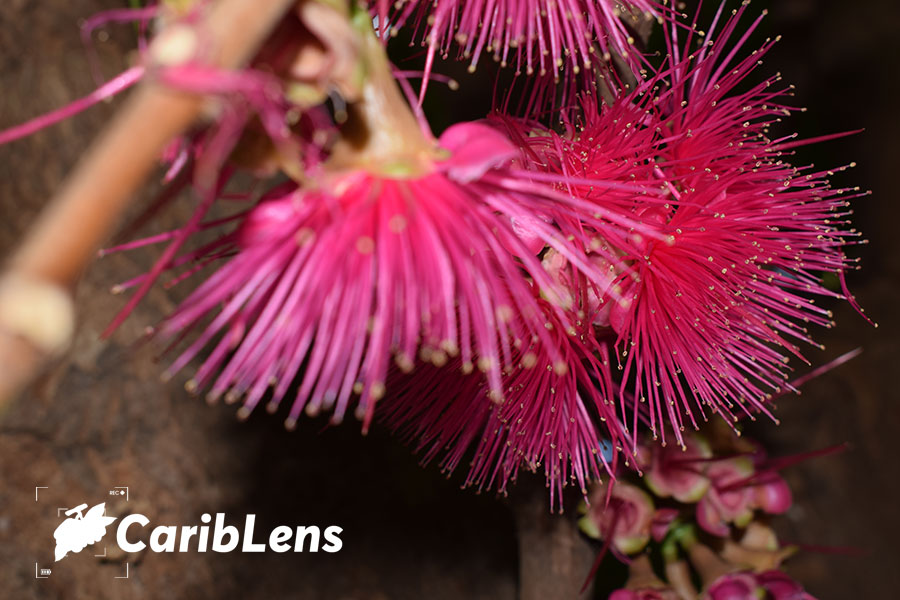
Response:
column 557, row 411
column 707, row 310
column 724, row 300
column 536, row 36
column 418, row 261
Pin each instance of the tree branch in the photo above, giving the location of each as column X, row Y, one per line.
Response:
column 92, row 199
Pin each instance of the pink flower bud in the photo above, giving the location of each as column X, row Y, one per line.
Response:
column 727, row 501
column 774, row 497
column 475, row 149
column 662, row 520
column 781, row 587
column 735, row 586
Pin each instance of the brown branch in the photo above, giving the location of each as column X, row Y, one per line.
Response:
column 91, row 201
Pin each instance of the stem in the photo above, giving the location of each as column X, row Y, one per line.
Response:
column 85, row 209
column 553, row 557
column 773, row 466
column 678, row 573
column 381, row 134
column 707, row 563
column 99, row 190
column 104, row 92
column 642, row 575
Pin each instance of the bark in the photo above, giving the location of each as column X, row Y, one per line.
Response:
column 554, row 558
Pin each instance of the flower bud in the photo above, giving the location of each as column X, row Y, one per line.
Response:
column 680, row 473
column 727, row 501
column 627, row 518
column 774, row 497
column 735, row 586
column 781, row 587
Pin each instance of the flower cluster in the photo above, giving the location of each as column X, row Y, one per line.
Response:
column 706, row 310
column 726, row 489
column 704, row 511
column 692, row 309
column 512, row 293
column 743, row 585
column 576, row 296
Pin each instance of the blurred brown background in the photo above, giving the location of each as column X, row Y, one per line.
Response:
column 102, row 418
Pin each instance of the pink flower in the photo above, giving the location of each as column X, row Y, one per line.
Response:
column 424, row 262
column 556, row 411
column 715, row 293
column 738, row 489
column 745, row 482
column 727, row 296
column 534, row 36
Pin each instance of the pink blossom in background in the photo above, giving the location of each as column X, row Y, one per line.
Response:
column 530, row 36
column 735, row 586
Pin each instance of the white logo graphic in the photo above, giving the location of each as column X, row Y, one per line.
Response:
column 79, row 531
column 134, row 533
